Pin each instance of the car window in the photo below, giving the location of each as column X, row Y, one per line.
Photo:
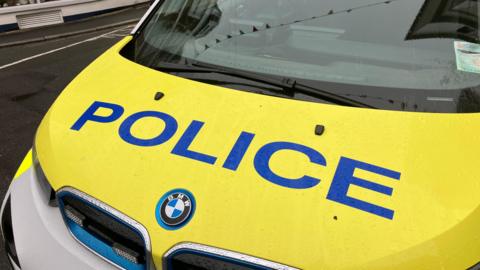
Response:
column 422, row 53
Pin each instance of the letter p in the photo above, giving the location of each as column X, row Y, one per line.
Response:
column 89, row 114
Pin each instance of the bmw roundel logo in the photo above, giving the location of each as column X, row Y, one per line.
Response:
column 175, row 209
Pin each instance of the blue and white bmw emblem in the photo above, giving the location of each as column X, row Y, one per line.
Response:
column 175, row 209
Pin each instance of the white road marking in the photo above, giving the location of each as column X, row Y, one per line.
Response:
column 63, row 48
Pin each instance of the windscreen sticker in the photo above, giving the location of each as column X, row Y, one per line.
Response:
column 467, row 56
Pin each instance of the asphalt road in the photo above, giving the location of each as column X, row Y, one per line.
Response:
column 28, row 87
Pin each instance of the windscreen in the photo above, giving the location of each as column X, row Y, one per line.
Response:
column 415, row 55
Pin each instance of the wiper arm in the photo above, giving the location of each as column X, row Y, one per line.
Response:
column 194, row 68
column 197, row 67
column 289, row 86
column 328, row 96
column 175, row 67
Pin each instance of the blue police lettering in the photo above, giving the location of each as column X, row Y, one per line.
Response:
column 338, row 190
column 168, row 132
column 186, row 140
column 262, row 160
column 344, row 178
column 238, row 151
column 89, row 114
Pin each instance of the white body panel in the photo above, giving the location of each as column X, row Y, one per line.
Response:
column 42, row 240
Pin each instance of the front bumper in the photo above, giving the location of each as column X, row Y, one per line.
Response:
column 42, row 240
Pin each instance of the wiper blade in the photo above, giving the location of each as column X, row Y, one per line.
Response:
column 288, row 85
column 197, row 67
column 176, row 67
column 170, row 67
column 329, row 96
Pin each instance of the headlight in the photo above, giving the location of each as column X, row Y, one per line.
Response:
column 45, row 188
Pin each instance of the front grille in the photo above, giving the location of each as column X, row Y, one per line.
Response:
column 191, row 261
column 7, row 231
column 192, row 256
column 118, row 239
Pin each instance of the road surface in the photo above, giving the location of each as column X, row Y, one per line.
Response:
column 31, row 77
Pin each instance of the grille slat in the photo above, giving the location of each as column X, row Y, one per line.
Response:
column 102, row 232
column 193, row 256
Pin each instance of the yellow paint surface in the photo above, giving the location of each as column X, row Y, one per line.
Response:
column 436, row 202
column 26, row 163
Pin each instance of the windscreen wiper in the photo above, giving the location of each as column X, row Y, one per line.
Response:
column 289, row 86
column 178, row 67
column 170, row 67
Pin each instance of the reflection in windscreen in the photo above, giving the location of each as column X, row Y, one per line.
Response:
column 397, row 43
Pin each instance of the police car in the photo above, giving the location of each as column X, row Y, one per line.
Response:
column 276, row 134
